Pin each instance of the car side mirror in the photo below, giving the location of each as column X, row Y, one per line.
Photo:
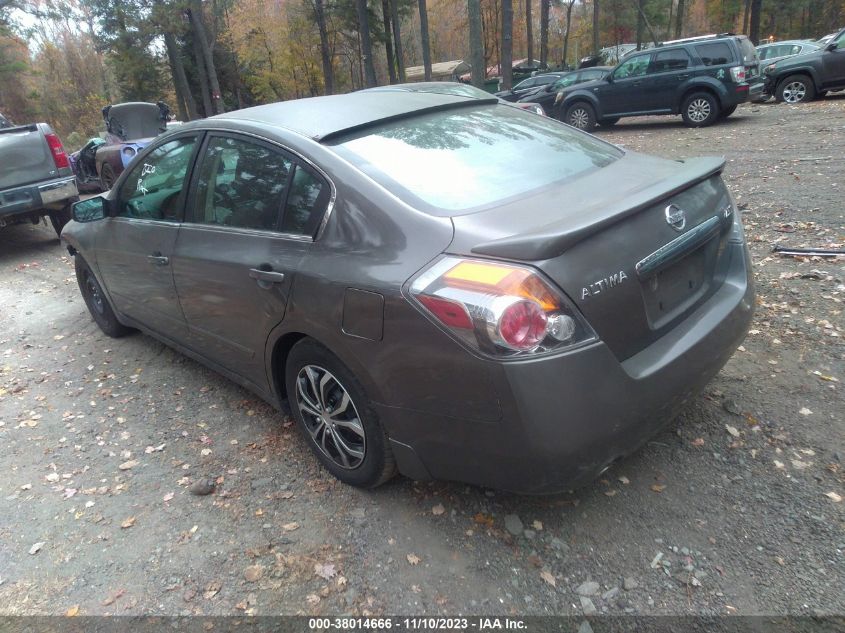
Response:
column 90, row 210
column 830, row 47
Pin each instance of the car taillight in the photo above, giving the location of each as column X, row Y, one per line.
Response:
column 501, row 310
column 58, row 152
column 738, row 73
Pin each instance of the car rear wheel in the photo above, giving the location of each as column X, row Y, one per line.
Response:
column 335, row 417
column 796, row 89
column 61, row 217
column 98, row 304
column 700, row 109
column 609, row 122
column 580, row 115
column 107, row 177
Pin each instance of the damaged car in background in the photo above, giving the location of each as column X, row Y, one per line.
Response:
column 129, row 128
column 438, row 285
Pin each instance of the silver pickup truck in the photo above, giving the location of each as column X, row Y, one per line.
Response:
column 36, row 180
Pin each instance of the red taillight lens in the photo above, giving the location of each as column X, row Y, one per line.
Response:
column 58, row 152
column 523, row 325
column 738, row 73
column 498, row 309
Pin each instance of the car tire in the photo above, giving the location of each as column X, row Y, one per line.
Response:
column 796, row 89
column 821, row 94
column 61, row 217
column 581, row 116
column 349, row 442
column 107, row 177
column 98, row 304
column 727, row 112
column 609, row 122
column 700, row 109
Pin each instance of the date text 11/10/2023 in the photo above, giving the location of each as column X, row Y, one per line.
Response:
column 416, row 624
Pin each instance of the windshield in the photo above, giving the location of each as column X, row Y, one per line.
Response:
column 461, row 159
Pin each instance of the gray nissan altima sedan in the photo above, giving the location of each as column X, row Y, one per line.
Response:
column 439, row 285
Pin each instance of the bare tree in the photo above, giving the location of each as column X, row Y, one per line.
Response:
column 596, row 26
column 187, row 105
column 207, row 55
column 424, row 41
column 366, row 44
column 569, row 6
column 544, row 31
column 476, row 43
column 325, row 50
column 679, row 19
column 397, row 39
column 388, row 44
column 507, row 44
column 754, row 22
column 529, row 35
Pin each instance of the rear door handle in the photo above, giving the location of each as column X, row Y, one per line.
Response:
column 157, row 259
column 682, row 77
column 268, row 276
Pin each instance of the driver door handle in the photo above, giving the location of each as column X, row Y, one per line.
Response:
column 157, row 259
column 266, row 275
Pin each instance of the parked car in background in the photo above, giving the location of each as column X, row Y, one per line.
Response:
column 530, row 85
column 703, row 79
column 824, row 41
column 804, row 77
column 36, row 180
column 403, row 273
column 545, row 95
column 774, row 52
column 129, row 128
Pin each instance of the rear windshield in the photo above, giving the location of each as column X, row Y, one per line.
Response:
column 749, row 53
column 462, row 159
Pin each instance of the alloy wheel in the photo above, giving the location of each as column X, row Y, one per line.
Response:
column 794, row 92
column 698, row 110
column 330, row 416
column 579, row 118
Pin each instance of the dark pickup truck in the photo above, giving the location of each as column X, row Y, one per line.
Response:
column 36, row 180
column 803, row 77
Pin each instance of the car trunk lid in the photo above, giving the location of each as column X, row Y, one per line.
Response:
column 636, row 245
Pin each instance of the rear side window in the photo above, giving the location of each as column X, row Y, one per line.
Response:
column 589, row 75
column 714, row 53
column 241, row 184
column 461, row 159
column 664, row 61
column 305, row 204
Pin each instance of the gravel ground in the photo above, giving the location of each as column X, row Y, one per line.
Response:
column 735, row 509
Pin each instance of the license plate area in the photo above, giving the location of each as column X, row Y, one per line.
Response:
column 673, row 290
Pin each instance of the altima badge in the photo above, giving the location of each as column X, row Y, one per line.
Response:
column 676, row 217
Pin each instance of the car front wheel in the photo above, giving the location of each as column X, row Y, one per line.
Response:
column 700, row 109
column 335, row 417
column 95, row 299
column 580, row 115
column 796, row 89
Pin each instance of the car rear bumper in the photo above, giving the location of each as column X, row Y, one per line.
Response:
column 566, row 418
column 37, row 196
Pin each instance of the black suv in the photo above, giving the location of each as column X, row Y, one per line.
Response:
column 700, row 78
column 801, row 78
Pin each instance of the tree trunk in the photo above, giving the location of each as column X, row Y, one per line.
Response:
column 325, row 51
column 397, row 39
column 426, row 49
column 187, row 105
column 745, row 16
column 203, row 78
column 754, row 22
column 679, row 19
column 476, row 43
column 544, row 31
column 208, row 57
column 507, row 44
column 366, row 44
column 529, row 32
column 568, row 25
column 640, row 25
column 388, row 46
column 596, row 26
column 669, row 23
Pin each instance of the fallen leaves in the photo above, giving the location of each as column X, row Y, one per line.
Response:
column 732, row 430
column 128, row 523
column 548, row 577
column 73, row 611
column 212, row 588
column 129, row 464
column 326, row 571
column 36, row 548
column 113, row 597
column 484, row 519
column 805, row 411
column 658, row 487
column 413, row 559
column 438, row 510
column 168, row 497
column 253, row 573
column 290, row 527
column 154, row 449
column 836, row 498
column 698, row 442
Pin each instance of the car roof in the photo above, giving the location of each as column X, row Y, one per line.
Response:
column 320, row 118
column 802, row 42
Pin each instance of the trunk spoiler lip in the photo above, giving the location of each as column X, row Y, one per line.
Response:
column 553, row 240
